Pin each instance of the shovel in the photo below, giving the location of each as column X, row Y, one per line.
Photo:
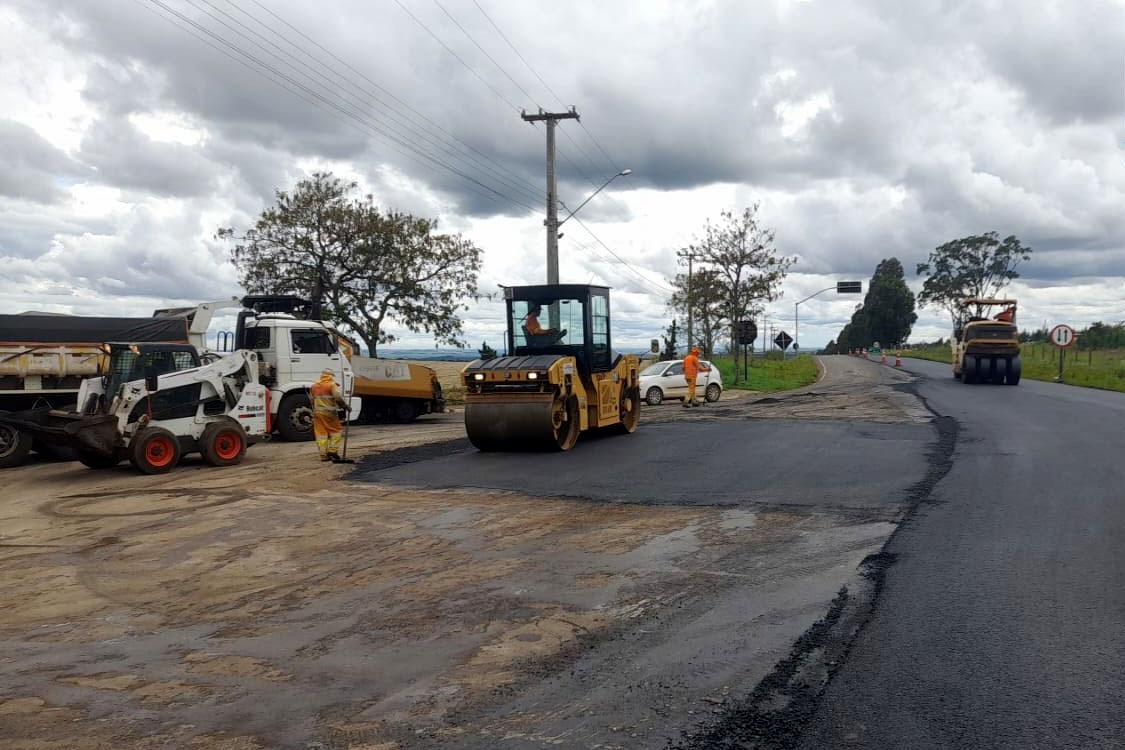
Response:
column 343, row 459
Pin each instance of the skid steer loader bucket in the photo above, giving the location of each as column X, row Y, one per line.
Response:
column 92, row 435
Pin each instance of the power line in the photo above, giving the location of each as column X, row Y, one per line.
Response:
column 485, row 52
column 400, row 122
column 410, row 130
column 483, row 80
column 448, row 49
column 366, row 78
column 627, row 264
column 535, row 73
column 265, row 69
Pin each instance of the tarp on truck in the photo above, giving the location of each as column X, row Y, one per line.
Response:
column 79, row 329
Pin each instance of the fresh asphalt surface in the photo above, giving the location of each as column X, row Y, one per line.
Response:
column 771, row 462
column 1002, row 619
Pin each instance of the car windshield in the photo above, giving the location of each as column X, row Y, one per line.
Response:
column 654, row 369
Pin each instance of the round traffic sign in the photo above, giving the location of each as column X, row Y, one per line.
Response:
column 1063, row 336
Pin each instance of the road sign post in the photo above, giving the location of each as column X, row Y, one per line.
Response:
column 783, row 340
column 1063, row 337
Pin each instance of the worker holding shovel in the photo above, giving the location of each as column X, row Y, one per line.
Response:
column 327, row 400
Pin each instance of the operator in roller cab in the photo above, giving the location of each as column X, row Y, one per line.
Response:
column 535, row 333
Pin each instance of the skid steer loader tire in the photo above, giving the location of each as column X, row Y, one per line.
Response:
column 223, row 443
column 154, row 450
column 295, row 418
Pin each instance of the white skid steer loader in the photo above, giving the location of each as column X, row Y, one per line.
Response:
column 158, row 403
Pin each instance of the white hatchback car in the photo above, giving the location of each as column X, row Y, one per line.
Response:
column 665, row 380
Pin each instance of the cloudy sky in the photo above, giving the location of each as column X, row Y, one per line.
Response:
column 133, row 129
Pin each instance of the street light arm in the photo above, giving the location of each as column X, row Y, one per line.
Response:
column 622, row 173
column 822, row 291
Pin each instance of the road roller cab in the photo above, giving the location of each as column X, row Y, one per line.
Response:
column 559, row 378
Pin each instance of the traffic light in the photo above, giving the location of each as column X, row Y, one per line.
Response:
column 849, row 287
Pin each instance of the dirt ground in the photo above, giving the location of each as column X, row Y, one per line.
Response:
column 277, row 604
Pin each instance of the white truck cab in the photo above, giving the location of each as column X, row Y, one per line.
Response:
column 292, row 350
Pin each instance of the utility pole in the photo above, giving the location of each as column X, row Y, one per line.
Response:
column 552, row 222
column 690, row 293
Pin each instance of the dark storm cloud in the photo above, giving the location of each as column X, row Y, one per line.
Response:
column 30, row 167
column 126, row 158
column 1058, row 57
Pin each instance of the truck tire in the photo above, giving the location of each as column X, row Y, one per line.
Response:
column 1015, row 369
column 14, row 446
column 295, row 418
column 223, row 443
column 969, row 370
column 154, row 450
column 405, row 411
column 93, row 460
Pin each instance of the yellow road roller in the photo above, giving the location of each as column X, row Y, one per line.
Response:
column 559, row 378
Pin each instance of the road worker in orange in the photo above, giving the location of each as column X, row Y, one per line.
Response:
column 327, row 401
column 692, row 368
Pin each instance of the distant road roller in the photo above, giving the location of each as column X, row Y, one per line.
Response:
column 560, row 377
column 987, row 349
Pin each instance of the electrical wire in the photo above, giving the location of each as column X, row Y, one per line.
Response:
column 398, row 128
column 265, row 69
column 655, row 286
column 434, row 125
column 610, row 159
column 562, row 154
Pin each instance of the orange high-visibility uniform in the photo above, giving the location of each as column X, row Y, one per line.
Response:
column 691, row 372
column 533, row 326
column 327, row 399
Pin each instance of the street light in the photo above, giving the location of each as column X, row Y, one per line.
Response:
column 841, row 287
column 622, row 173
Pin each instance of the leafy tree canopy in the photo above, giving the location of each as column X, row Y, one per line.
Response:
column 971, row 267
column 360, row 266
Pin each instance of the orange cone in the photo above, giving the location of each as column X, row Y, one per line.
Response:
column 883, row 359
column 898, row 359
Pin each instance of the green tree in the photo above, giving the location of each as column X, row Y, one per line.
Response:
column 671, row 348
column 741, row 269
column 978, row 266
column 708, row 305
column 361, row 267
column 888, row 307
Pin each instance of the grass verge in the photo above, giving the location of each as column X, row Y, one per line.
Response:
column 770, row 374
column 1100, row 368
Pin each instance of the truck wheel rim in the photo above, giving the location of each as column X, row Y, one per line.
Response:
column 302, row 419
column 227, row 445
column 159, row 451
column 8, row 440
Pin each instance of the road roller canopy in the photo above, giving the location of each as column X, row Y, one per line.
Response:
column 567, row 319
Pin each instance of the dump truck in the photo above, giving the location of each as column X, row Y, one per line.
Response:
column 986, row 349
column 156, row 403
column 557, row 382
column 391, row 390
column 44, row 358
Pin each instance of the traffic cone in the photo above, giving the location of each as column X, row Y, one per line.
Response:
column 898, row 359
column 883, row 359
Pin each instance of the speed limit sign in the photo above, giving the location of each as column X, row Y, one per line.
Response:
column 1063, row 336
